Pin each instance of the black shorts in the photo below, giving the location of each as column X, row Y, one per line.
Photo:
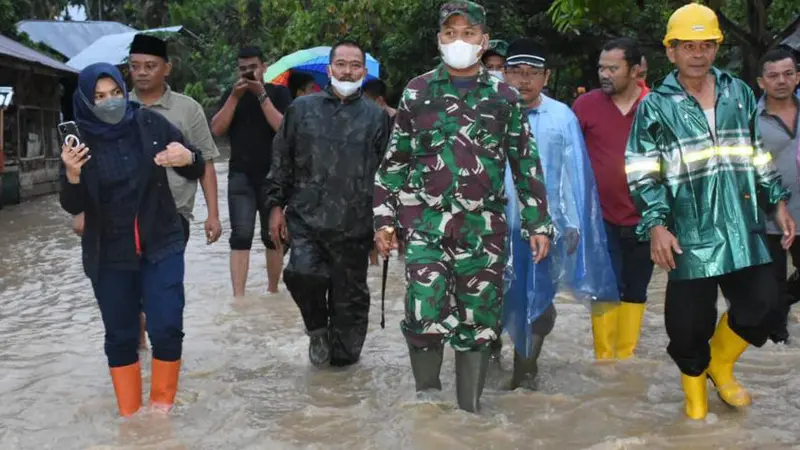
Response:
column 245, row 198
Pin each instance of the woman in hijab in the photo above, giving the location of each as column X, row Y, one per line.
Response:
column 133, row 237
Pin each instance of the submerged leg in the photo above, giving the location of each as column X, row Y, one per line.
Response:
column 526, row 368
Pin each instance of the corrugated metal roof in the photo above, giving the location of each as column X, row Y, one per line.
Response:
column 69, row 37
column 793, row 40
column 16, row 50
column 112, row 49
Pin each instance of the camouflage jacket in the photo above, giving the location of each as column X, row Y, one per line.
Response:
column 324, row 159
column 444, row 171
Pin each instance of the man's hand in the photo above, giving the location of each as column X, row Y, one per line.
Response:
column 662, row 244
column 213, row 230
column 540, row 246
column 572, row 237
column 255, row 86
column 175, row 155
column 385, row 241
column 786, row 223
column 277, row 227
column 78, row 223
column 239, row 88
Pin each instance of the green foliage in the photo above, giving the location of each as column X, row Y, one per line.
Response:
column 401, row 34
column 197, row 92
column 749, row 25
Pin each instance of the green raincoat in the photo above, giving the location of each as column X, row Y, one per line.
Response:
column 708, row 189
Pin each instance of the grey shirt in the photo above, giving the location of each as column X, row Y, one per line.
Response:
column 188, row 117
column 783, row 144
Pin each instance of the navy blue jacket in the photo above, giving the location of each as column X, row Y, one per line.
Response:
column 160, row 225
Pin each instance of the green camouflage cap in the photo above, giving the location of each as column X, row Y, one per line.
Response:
column 498, row 46
column 474, row 12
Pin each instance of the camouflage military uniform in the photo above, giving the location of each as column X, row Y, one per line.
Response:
column 442, row 179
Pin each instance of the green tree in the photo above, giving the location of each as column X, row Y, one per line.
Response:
column 751, row 25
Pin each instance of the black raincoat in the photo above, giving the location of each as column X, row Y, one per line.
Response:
column 324, row 159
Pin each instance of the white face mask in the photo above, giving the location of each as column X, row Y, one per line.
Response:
column 346, row 88
column 497, row 74
column 459, row 54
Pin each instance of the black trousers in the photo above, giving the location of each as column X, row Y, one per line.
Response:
column 690, row 313
column 789, row 290
column 327, row 277
column 631, row 262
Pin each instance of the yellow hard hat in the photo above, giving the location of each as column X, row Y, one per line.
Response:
column 693, row 22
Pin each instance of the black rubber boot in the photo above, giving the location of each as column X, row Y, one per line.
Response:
column 496, row 348
column 319, row 348
column 526, row 369
column 470, row 378
column 426, row 363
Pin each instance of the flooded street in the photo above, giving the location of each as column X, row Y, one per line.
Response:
column 246, row 382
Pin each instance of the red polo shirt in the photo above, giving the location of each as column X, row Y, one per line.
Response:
column 606, row 132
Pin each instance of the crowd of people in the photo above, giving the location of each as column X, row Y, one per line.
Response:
column 497, row 195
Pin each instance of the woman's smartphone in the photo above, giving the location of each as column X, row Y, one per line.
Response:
column 69, row 134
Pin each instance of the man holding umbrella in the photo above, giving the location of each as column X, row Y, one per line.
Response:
column 323, row 166
column 443, row 180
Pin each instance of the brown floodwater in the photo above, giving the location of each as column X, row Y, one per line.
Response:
column 246, row 382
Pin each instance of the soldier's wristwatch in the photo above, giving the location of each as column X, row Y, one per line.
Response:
column 263, row 97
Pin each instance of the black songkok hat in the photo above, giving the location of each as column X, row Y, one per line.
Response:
column 146, row 44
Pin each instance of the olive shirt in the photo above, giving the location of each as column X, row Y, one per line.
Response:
column 188, row 116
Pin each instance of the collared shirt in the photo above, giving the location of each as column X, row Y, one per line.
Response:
column 606, row 131
column 784, row 145
column 444, row 171
column 189, row 118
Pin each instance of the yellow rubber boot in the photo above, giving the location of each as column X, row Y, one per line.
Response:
column 696, row 391
column 128, row 388
column 726, row 348
column 628, row 328
column 604, row 329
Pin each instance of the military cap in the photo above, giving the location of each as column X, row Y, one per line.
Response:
column 473, row 12
column 497, row 47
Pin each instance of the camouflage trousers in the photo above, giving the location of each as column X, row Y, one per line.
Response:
column 471, row 270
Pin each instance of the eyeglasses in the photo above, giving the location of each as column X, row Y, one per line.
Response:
column 525, row 74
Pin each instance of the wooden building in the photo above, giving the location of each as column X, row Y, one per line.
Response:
column 42, row 87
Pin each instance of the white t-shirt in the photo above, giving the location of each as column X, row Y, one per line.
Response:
column 712, row 121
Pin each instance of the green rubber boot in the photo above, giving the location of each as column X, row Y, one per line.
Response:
column 470, row 378
column 426, row 364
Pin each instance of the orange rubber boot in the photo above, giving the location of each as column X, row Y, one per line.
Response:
column 164, row 384
column 128, row 387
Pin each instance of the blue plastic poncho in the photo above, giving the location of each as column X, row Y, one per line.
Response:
column 579, row 261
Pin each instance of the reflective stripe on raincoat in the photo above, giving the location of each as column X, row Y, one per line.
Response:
column 710, row 192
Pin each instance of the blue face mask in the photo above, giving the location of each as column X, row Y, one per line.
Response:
column 110, row 111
